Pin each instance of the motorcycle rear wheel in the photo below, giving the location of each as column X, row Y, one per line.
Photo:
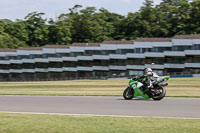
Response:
column 128, row 93
column 162, row 94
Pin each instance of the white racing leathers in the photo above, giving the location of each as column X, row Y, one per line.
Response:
column 153, row 78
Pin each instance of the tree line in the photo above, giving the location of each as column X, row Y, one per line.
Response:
column 169, row 18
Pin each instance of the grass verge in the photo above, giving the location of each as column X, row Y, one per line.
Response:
column 178, row 87
column 35, row 123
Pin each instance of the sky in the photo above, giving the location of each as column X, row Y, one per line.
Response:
column 18, row 9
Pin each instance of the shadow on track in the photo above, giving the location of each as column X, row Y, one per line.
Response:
column 137, row 99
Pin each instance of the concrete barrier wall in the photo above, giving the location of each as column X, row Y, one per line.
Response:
column 181, row 76
column 196, row 75
column 185, row 76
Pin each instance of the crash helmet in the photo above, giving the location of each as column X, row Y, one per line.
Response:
column 148, row 71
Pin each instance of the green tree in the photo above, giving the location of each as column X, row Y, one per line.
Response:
column 88, row 25
column 148, row 19
column 167, row 19
column 194, row 22
column 83, row 26
column 110, row 23
column 103, row 26
column 144, row 23
column 16, row 29
column 128, row 26
column 176, row 14
column 59, row 32
column 37, row 29
column 7, row 40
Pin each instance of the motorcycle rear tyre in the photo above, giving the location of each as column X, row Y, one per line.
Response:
column 161, row 96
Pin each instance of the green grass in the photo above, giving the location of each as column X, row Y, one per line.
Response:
column 32, row 123
column 178, row 87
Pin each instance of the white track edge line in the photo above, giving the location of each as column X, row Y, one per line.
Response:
column 65, row 114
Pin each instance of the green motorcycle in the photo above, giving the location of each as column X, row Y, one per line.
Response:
column 136, row 89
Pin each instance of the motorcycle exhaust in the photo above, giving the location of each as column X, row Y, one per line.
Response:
column 165, row 84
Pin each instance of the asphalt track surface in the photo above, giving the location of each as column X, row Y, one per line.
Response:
column 102, row 105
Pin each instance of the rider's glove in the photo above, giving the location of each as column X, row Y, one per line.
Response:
column 135, row 78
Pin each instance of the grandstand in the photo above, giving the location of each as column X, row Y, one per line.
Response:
column 171, row 56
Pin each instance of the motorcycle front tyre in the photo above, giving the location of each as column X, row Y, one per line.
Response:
column 128, row 93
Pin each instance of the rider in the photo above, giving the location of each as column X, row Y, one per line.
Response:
column 147, row 78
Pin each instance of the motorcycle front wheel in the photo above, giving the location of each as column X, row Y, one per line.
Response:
column 128, row 93
column 159, row 93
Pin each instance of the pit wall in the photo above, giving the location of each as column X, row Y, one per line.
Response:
column 185, row 76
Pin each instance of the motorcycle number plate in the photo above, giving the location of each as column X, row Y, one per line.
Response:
column 135, row 85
